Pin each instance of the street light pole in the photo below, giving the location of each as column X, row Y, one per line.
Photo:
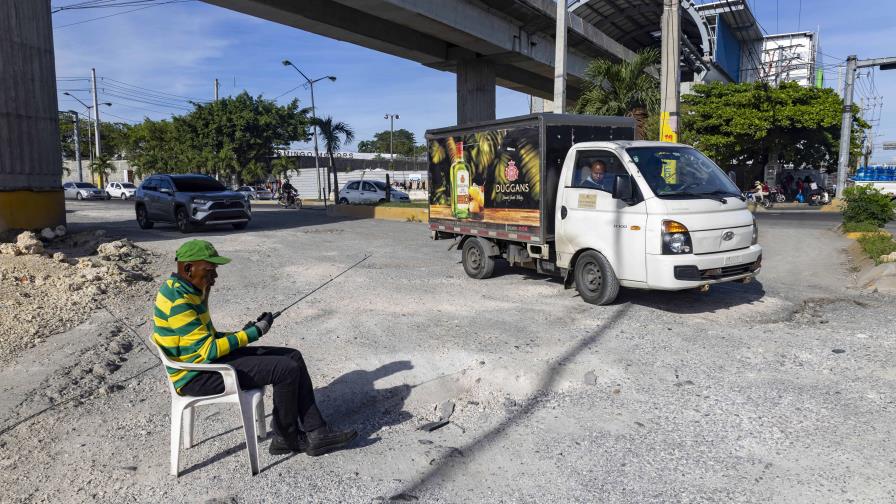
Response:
column 78, row 145
column 670, row 74
column 391, row 118
column 314, row 126
column 89, row 137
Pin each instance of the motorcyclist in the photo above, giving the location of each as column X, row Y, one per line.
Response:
column 287, row 192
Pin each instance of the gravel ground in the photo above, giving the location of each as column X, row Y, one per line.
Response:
column 775, row 391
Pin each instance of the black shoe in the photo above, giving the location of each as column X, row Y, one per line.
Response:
column 323, row 440
column 281, row 446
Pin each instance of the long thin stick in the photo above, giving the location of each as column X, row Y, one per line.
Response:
column 321, row 286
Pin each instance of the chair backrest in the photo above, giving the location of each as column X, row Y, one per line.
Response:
column 165, row 360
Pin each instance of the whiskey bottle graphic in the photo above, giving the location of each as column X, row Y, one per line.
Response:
column 460, row 184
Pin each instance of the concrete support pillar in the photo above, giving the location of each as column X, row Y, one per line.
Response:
column 475, row 91
column 30, row 155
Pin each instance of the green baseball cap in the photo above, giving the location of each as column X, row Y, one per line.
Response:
column 199, row 250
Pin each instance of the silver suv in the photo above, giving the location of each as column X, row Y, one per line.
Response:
column 189, row 201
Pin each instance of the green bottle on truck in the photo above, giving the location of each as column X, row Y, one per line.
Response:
column 460, row 184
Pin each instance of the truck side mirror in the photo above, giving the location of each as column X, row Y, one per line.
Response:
column 623, row 188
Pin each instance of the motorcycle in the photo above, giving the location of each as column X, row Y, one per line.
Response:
column 777, row 195
column 765, row 201
column 290, row 199
column 819, row 197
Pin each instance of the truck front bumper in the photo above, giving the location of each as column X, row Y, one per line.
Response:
column 679, row 272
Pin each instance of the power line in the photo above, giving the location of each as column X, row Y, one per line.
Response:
column 151, row 90
column 121, row 13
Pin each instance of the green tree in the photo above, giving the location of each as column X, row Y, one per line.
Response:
column 333, row 135
column 753, row 122
column 113, row 136
column 622, row 89
column 403, row 143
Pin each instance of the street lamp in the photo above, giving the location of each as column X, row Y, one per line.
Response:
column 310, row 83
column 78, row 144
column 391, row 118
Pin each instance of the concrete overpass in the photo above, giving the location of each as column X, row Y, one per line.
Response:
column 485, row 42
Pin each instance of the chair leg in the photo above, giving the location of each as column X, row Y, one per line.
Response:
column 260, row 428
column 176, row 424
column 189, row 416
column 248, row 412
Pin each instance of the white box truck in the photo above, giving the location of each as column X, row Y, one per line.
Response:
column 576, row 196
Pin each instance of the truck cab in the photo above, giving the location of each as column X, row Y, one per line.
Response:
column 650, row 215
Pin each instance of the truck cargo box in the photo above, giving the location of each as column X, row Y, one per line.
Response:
column 504, row 185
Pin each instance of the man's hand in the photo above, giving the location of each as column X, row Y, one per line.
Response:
column 264, row 322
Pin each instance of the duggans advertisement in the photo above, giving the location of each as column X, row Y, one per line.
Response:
column 488, row 179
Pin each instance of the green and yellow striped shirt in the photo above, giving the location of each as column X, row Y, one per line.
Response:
column 183, row 328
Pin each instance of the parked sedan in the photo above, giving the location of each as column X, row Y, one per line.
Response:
column 82, row 190
column 369, row 192
column 123, row 190
column 256, row 193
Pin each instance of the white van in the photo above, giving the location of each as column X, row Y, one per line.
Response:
column 600, row 214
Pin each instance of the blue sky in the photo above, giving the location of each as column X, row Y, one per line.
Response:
column 180, row 49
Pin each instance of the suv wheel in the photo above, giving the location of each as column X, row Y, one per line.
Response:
column 78, row 196
column 183, row 220
column 143, row 219
column 124, row 195
column 343, row 201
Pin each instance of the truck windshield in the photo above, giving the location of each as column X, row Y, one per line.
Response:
column 682, row 173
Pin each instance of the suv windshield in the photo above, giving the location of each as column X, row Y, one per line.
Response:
column 198, row 184
column 682, row 172
column 127, row 185
column 84, row 185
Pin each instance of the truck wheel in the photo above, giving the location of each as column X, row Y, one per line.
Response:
column 595, row 279
column 477, row 263
column 183, row 220
column 143, row 219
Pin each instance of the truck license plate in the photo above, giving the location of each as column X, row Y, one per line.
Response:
column 729, row 260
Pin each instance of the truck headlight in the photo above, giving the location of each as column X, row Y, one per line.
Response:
column 200, row 201
column 755, row 239
column 676, row 238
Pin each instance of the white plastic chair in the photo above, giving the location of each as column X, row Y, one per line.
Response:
column 251, row 404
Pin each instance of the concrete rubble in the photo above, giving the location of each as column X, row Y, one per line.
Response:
column 52, row 284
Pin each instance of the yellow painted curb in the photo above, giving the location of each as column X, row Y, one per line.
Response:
column 855, row 235
column 836, row 205
column 378, row 212
column 31, row 209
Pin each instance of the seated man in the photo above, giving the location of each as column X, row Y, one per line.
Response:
column 598, row 178
column 184, row 330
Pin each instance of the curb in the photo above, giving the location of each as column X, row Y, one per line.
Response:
column 377, row 212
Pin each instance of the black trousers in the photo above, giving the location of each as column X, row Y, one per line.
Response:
column 281, row 367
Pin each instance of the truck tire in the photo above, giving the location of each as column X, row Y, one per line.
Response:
column 476, row 261
column 595, row 279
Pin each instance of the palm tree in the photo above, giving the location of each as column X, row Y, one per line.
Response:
column 622, row 89
column 334, row 134
column 101, row 167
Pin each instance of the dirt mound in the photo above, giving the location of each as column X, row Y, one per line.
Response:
column 47, row 287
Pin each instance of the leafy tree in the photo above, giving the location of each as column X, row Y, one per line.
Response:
column 403, row 143
column 333, row 134
column 113, row 136
column 234, row 137
column 622, row 89
column 752, row 122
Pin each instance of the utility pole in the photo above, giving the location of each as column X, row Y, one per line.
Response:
column 670, row 73
column 216, row 89
column 96, row 124
column 78, row 145
column 852, row 64
column 560, row 59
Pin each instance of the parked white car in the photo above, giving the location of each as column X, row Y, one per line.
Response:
column 123, row 190
column 369, row 192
